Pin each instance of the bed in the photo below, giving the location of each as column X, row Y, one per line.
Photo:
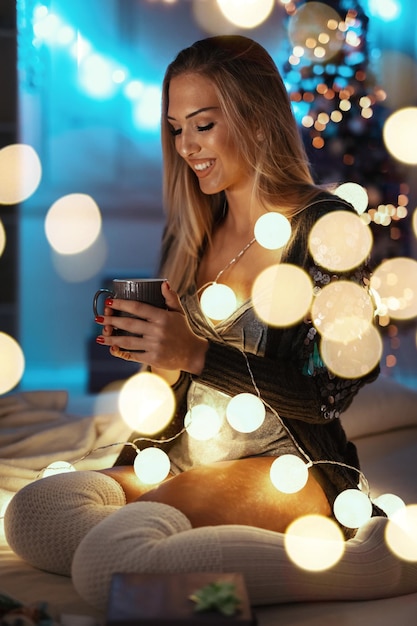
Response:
column 40, row 427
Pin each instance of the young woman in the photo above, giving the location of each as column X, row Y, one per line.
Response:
column 232, row 153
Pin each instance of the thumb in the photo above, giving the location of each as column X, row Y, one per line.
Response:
column 172, row 299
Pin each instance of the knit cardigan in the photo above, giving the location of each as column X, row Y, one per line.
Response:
column 291, row 377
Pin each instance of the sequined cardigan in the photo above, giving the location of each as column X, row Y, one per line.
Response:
column 292, row 377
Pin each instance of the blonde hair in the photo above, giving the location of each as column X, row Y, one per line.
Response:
column 255, row 104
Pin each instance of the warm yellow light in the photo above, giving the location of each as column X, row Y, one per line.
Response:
column 73, row 223
column 77, row 268
column 245, row 412
column 20, row 173
column 218, row 301
column 395, row 282
column 2, row 238
column 401, row 533
column 342, row 311
column 354, row 358
column 210, row 18
column 340, row 241
column 272, row 230
column 414, row 222
column 202, row 422
column 246, row 13
column 58, row 467
column 313, row 22
column 151, row 465
column 389, row 503
column 314, row 542
column 355, row 194
column 146, row 403
column 400, row 135
column 352, row 508
column 288, row 473
column 282, row 294
column 12, row 363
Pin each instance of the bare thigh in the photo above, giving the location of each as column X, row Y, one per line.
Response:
column 229, row 492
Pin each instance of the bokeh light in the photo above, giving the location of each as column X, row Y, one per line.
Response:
column 352, row 508
column 395, row 283
column 202, row 422
column 210, row 18
column 73, row 223
column 401, row 533
column 58, row 467
column 355, row 194
column 414, row 222
column 314, row 542
column 311, row 28
column 12, row 363
column 355, row 358
column 218, row 301
column 288, row 473
column 340, row 241
column 342, row 311
column 397, row 73
column 20, row 173
column 272, row 230
column 400, row 135
column 2, row 238
column 389, row 503
column 245, row 412
column 151, row 465
column 77, row 268
column 246, row 13
column 146, row 403
column 282, row 294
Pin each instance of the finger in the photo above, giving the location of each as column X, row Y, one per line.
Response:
column 172, row 299
column 125, row 354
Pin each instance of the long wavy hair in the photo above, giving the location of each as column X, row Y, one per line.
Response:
column 256, row 106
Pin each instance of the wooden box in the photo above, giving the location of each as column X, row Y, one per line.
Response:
column 164, row 600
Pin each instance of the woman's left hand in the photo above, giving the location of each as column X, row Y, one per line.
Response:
column 163, row 336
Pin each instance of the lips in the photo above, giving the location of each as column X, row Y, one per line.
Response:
column 203, row 168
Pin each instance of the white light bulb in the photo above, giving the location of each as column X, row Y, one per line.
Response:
column 218, row 301
column 288, row 473
column 352, row 508
column 272, row 230
column 389, row 503
column 202, row 422
column 245, row 412
column 58, row 467
column 151, row 465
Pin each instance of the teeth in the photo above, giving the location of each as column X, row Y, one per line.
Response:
column 202, row 166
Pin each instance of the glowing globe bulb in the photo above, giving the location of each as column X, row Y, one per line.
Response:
column 146, row 403
column 352, row 508
column 288, row 473
column 12, row 363
column 73, row 223
column 401, row 533
column 202, row 422
column 245, row 412
column 389, row 503
column 272, row 230
column 314, row 542
column 20, row 173
column 355, row 194
column 58, row 467
column 218, row 301
column 151, row 465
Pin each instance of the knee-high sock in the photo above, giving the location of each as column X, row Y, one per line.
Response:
column 46, row 520
column 152, row 537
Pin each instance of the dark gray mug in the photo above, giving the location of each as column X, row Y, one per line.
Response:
column 146, row 290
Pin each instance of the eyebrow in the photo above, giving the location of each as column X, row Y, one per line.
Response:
column 187, row 117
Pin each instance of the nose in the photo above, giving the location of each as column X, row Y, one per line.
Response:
column 187, row 145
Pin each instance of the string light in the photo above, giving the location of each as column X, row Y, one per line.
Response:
column 289, row 473
column 352, row 508
column 151, row 465
column 245, row 412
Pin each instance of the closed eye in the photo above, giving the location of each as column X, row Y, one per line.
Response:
column 201, row 129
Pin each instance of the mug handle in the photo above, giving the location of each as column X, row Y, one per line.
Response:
column 96, row 297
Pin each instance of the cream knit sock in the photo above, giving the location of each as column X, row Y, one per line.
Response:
column 46, row 520
column 152, row 537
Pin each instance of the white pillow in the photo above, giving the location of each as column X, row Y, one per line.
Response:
column 379, row 407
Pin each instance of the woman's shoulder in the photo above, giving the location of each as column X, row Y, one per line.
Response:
column 324, row 202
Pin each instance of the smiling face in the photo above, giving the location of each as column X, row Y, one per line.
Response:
column 201, row 135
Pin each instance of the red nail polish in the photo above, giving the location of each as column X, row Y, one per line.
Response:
column 100, row 339
column 109, row 302
column 99, row 319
